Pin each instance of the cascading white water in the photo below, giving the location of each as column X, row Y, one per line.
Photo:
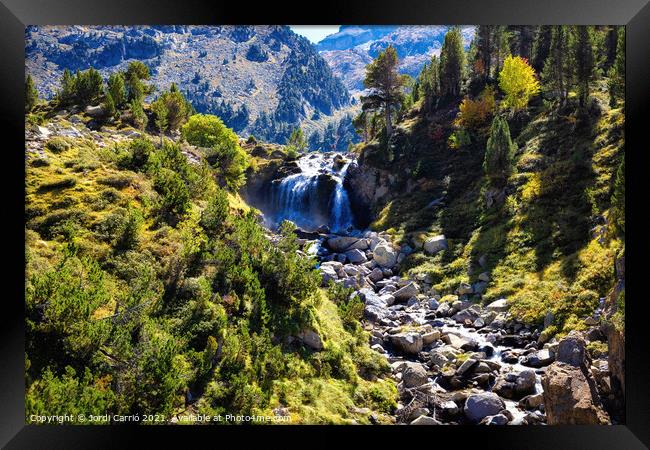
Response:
column 341, row 210
column 315, row 196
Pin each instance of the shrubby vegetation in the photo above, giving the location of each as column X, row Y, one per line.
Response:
column 150, row 289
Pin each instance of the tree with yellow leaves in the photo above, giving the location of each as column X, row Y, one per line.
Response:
column 518, row 81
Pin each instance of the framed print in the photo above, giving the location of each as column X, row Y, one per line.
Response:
column 414, row 218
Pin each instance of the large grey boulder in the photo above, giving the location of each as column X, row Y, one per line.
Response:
column 414, row 375
column 385, row 255
column 500, row 305
column 571, row 349
column 479, row 406
column 356, row 256
column 435, row 244
column 406, row 292
column 515, row 385
column 410, row 342
column 328, row 274
column 341, row 243
column 311, row 339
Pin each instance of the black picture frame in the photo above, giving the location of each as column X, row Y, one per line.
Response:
column 16, row 14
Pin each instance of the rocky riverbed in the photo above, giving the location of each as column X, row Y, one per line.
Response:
column 455, row 360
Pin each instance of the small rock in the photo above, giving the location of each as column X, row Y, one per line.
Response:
column 435, row 244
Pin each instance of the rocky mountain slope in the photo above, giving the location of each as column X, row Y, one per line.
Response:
column 353, row 47
column 258, row 79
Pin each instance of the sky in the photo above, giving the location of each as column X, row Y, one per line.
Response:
column 315, row 33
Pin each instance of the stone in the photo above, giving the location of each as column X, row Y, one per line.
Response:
column 341, row 243
column 433, row 304
column 515, row 385
column 480, row 287
column 406, row 292
column 430, row 337
column 449, row 408
column 498, row 305
column 469, row 313
column 570, row 398
column 378, row 348
column 484, row 277
column 385, row 255
column 466, row 366
column 311, row 339
column 443, row 309
column 376, row 275
column 548, row 319
column 435, row 244
column 498, row 419
column 388, row 299
column 540, row 358
column 591, row 321
column 356, row 256
column 425, row 420
column 328, row 274
column 464, row 289
column 410, row 342
column 479, row 406
column 414, row 375
column 533, row 401
column 361, row 244
column 571, row 349
column 461, row 343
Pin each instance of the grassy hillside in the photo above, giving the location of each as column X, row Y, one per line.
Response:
column 548, row 244
column 150, row 288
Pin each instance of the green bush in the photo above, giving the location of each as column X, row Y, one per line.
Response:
column 175, row 197
column 58, row 144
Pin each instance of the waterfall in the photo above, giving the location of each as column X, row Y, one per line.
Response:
column 341, row 211
column 313, row 197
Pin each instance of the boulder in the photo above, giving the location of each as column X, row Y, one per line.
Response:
column 534, row 401
column 435, row 244
column 328, row 273
column 540, row 358
column 311, row 339
column 515, row 385
column 414, row 375
column 465, row 289
column 498, row 305
column 570, row 398
column 425, row 420
column 406, row 292
column 410, row 342
column 433, row 304
column 341, row 243
column 471, row 314
column 356, row 256
column 385, row 255
column 376, row 275
column 479, row 406
column 498, row 419
column 461, row 343
column 430, row 337
column 571, row 349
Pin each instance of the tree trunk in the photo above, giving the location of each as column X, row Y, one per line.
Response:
column 389, row 125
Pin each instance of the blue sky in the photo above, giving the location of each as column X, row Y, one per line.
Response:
column 315, row 33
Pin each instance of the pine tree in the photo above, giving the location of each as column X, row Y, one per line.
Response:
column 135, row 88
column 117, row 89
column 501, row 46
column 109, row 106
column 387, row 85
column 499, row 152
column 31, row 94
column 137, row 114
column 430, row 83
column 616, row 73
column 541, row 47
column 484, row 49
column 452, row 63
column 557, row 68
column 583, row 58
column 66, row 93
column 160, row 111
column 297, row 140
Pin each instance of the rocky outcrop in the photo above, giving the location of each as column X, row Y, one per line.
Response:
column 479, row 406
column 570, row 393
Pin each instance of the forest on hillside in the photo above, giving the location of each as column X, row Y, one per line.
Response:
column 456, row 265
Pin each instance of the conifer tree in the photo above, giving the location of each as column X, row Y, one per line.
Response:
column 452, row 63
column 499, row 152
column 541, row 47
column 387, row 85
column 31, row 94
column 583, row 59
column 484, row 48
column 557, row 68
column 109, row 106
column 117, row 89
column 66, row 92
column 430, row 83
